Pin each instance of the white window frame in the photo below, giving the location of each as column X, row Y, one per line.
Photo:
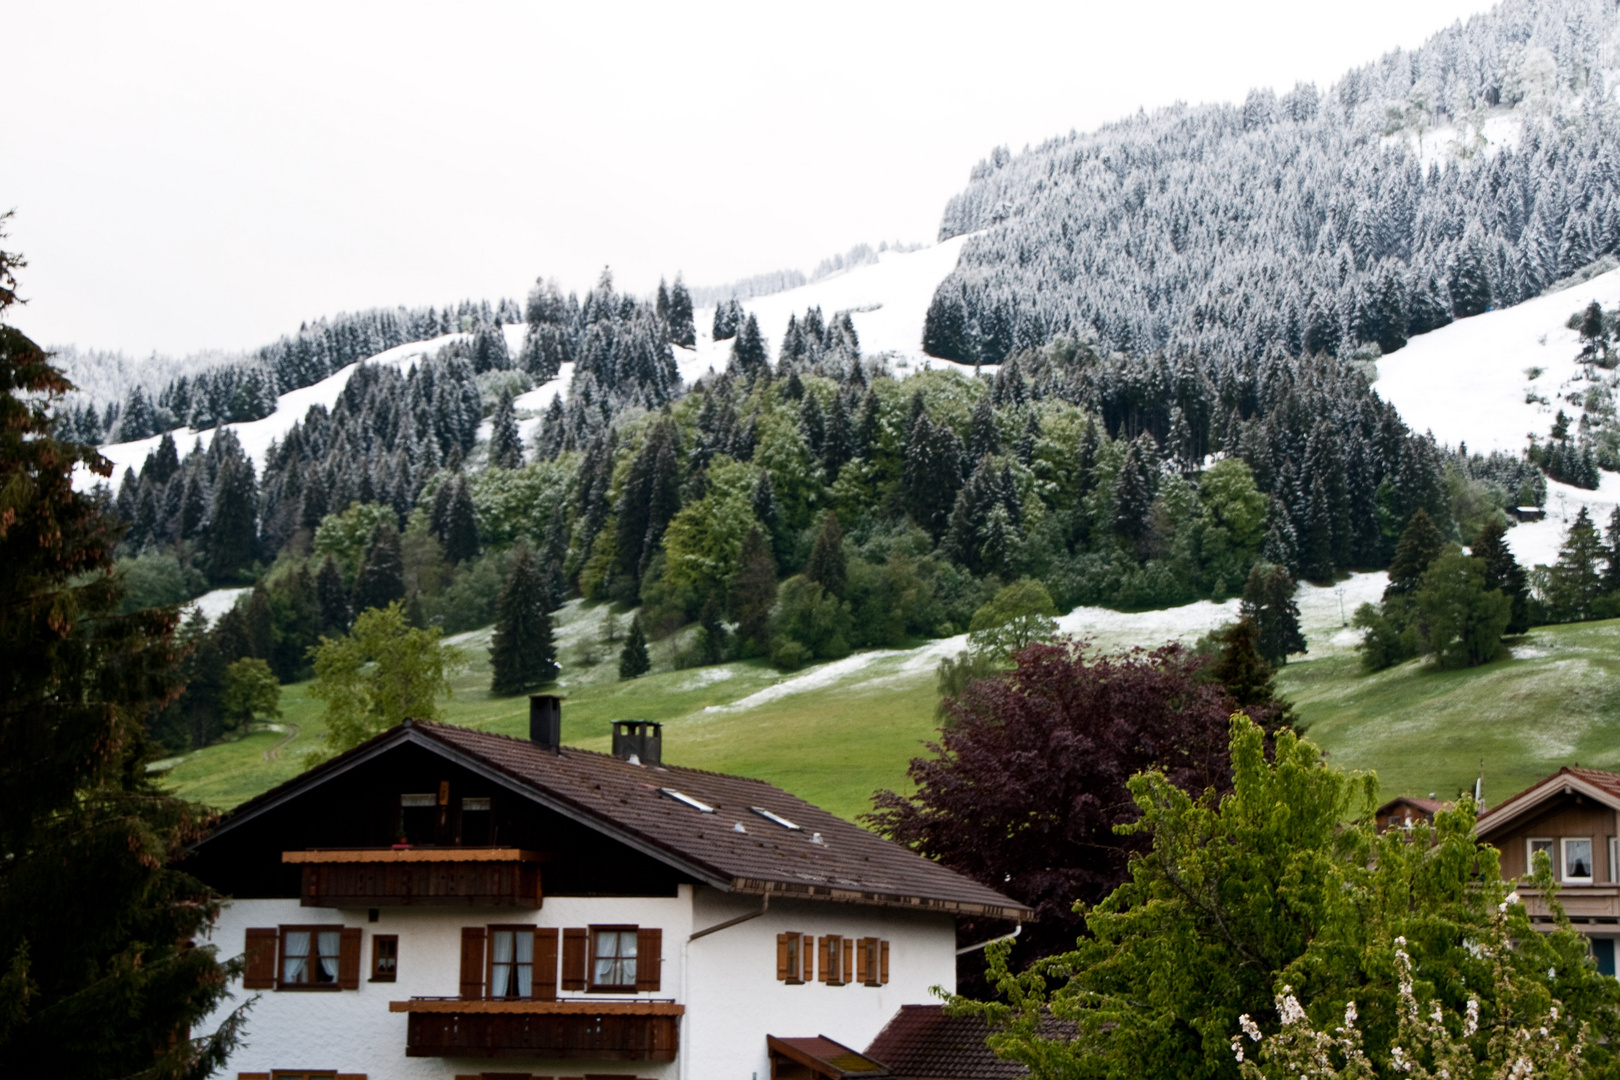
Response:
column 1530, row 852
column 1563, row 851
column 1614, row 857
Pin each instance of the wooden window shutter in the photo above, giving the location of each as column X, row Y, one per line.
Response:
column 783, row 944
column 807, row 965
column 649, row 958
column 823, row 958
column 883, row 963
column 252, row 1076
column 576, row 943
column 349, row 959
column 260, row 972
column 472, row 962
column 848, row 966
column 545, row 963
column 862, row 968
column 351, row 1076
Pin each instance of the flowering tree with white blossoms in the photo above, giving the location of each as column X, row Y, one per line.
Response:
column 1523, row 1041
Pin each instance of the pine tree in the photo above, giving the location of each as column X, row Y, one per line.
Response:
column 96, row 918
column 727, row 318
column 984, row 438
column 1239, row 667
column 753, row 594
column 838, row 447
column 232, row 533
column 813, row 423
column 1503, row 573
column 460, row 526
column 681, row 330
column 1268, row 601
column 1134, row 490
column 633, row 658
column 523, row 653
column 769, row 515
column 381, row 578
column 505, row 444
column 1611, row 571
column 827, row 566
column 1420, row 544
column 711, row 632
column 1576, row 581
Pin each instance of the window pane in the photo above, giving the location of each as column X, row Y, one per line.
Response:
column 1577, row 858
column 500, row 968
column 295, row 957
column 615, row 959
column 327, row 943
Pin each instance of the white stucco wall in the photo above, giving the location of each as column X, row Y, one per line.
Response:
column 734, row 999
column 727, row 981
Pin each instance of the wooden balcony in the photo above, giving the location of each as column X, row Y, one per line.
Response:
column 1581, row 902
column 591, row 1030
column 390, row 877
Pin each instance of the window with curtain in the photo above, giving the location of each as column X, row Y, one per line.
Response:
column 1578, row 858
column 309, row 955
column 511, row 963
column 613, row 958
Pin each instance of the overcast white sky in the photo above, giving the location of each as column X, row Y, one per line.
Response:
column 191, row 176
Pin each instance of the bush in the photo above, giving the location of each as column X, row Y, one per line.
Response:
column 157, row 581
column 468, row 601
column 809, row 617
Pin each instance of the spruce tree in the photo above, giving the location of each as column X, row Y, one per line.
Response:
column 96, row 918
column 1576, row 580
column 753, row 594
column 1419, row 545
column 523, row 653
column 1503, row 573
column 232, row 532
column 711, row 631
column 381, row 578
column 633, row 658
column 984, row 438
column 748, row 350
column 1268, row 601
column 332, row 599
column 1133, row 496
column 460, row 527
column 505, row 444
column 827, row 566
column 681, row 330
column 1239, row 667
column 769, row 514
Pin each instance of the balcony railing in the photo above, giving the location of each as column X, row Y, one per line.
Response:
column 388, row 877
column 594, row 1030
column 1579, row 902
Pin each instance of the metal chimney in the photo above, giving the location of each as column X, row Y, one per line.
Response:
column 642, row 740
column 545, row 721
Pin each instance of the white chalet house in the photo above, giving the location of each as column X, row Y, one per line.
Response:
column 441, row 903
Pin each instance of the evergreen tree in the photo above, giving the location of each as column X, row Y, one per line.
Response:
column 1134, row 489
column 332, row 598
column 505, row 444
column 984, row 438
column 711, row 632
column 96, row 919
column 727, row 318
column 381, row 578
column 650, row 498
column 769, row 515
column 753, row 594
column 1503, row 573
column 460, row 537
column 1420, row 544
column 1239, row 667
column 826, row 566
column 933, row 473
column 681, row 330
column 523, row 653
column 1575, row 582
column 748, row 349
column 231, row 534
column 1268, row 601
column 1463, row 619
column 838, row 447
column 633, row 658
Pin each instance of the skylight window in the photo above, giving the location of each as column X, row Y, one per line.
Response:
column 687, row 799
column 778, row 818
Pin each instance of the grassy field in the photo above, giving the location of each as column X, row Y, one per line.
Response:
column 837, row 733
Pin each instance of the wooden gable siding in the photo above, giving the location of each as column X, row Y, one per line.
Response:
column 1564, row 816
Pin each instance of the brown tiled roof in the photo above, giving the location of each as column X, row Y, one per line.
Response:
column 921, row 1041
column 1606, row 782
column 1428, row 806
column 826, row 858
column 828, row 1058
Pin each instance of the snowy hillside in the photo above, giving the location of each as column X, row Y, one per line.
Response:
column 1494, row 380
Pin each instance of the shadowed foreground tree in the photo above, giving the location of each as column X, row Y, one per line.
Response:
column 97, row 976
column 1027, row 783
column 523, row 652
column 1276, row 908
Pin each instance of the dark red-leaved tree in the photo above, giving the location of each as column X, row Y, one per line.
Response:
column 1027, row 782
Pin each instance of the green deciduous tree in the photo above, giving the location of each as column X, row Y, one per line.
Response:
column 1463, row 619
column 811, row 624
column 251, row 691
column 379, row 673
column 522, row 652
column 1286, row 883
column 97, row 974
column 1017, row 616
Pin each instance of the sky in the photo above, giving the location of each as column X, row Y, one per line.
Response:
column 190, row 176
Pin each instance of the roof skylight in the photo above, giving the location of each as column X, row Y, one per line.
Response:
column 687, row 799
column 778, row 818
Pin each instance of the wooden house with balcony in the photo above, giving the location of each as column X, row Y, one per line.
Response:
column 1573, row 816
column 440, row 902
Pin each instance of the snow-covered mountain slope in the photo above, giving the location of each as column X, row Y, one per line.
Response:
column 888, row 299
column 1494, row 380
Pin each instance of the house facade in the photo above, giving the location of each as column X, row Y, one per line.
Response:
column 1574, row 816
column 441, row 903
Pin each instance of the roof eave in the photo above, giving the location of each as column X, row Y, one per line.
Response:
column 1560, row 783
column 1010, row 911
